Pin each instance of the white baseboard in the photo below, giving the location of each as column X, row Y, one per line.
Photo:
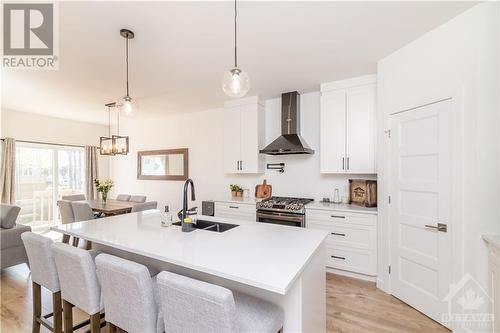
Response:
column 351, row 274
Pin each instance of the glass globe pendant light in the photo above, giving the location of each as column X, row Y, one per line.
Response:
column 127, row 103
column 235, row 82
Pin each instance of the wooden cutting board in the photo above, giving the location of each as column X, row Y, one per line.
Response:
column 263, row 190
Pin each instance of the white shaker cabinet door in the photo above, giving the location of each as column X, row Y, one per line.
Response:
column 333, row 131
column 249, row 160
column 360, row 144
column 232, row 139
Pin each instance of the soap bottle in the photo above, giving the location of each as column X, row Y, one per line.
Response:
column 166, row 217
column 336, row 196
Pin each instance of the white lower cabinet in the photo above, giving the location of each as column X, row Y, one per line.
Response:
column 352, row 242
column 237, row 211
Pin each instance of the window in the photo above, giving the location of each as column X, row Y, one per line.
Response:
column 44, row 173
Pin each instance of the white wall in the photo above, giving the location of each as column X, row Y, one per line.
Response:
column 202, row 133
column 36, row 127
column 460, row 60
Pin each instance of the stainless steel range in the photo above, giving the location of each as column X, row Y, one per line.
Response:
column 282, row 210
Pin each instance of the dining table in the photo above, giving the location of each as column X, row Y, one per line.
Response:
column 110, row 207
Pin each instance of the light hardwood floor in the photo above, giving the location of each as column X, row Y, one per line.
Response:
column 352, row 306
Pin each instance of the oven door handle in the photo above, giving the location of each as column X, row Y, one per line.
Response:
column 281, row 217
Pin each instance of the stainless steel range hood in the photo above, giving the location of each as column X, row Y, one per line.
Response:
column 290, row 142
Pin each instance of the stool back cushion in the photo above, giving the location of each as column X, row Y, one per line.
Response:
column 138, row 198
column 123, row 197
column 8, row 215
column 144, row 206
column 77, row 277
column 82, row 211
column 128, row 294
column 74, row 197
column 42, row 264
column 189, row 305
column 66, row 211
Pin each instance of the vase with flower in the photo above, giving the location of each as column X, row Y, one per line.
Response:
column 103, row 187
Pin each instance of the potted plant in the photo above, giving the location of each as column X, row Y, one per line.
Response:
column 103, row 186
column 234, row 189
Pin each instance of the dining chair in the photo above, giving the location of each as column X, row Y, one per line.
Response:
column 144, row 206
column 82, row 212
column 123, row 197
column 43, row 274
column 189, row 305
column 74, row 197
column 79, row 285
column 129, row 294
column 137, row 198
column 67, row 216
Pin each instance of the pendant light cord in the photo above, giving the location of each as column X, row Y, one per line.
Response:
column 109, row 121
column 235, row 37
column 126, row 61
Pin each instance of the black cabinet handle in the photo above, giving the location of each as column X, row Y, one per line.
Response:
column 337, row 234
column 234, row 207
column 336, row 257
column 343, row 163
column 338, row 216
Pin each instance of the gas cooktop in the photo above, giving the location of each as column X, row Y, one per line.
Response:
column 284, row 204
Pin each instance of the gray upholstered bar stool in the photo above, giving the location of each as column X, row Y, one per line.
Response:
column 79, row 285
column 129, row 295
column 43, row 273
column 189, row 305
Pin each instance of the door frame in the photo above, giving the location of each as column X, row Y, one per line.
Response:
column 384, row 171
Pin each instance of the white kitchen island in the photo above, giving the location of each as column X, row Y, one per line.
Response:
column 284, row 265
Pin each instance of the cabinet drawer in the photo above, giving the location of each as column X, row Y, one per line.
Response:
column 237, row 211
column 350, row 235
column 325, row 216
column 353, row 260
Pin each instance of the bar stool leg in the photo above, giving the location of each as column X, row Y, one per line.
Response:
column 95, row 323
column 110, row 327
column 68, row 316
column 57, row 310
column 37, row 307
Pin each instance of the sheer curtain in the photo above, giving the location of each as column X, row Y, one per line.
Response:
column 8, row 172
column 90, row 172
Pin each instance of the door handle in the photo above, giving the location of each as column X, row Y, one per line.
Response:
column 343, row 159
column 234, row 207
column 337, row 257
column 338, row 234
column 338, row 216
column 348, row 163
column 241, row 165
column 440, row 227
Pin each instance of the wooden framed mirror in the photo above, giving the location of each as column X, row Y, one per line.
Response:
column 165, row 164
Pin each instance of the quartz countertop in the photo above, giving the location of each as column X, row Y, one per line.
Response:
column 267, row 256
column 316, row 205
column 492, row 240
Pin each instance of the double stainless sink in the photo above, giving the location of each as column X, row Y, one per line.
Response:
column 211, row 225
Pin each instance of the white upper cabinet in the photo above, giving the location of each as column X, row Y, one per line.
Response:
column 244, row 131
column 347, row 126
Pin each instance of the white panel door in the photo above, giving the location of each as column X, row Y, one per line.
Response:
column 332, row 131
column 360, row 144
column 249, row 158
column 421, row 255
column 232, row 139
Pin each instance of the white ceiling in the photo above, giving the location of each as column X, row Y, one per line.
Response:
column 182, row 48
